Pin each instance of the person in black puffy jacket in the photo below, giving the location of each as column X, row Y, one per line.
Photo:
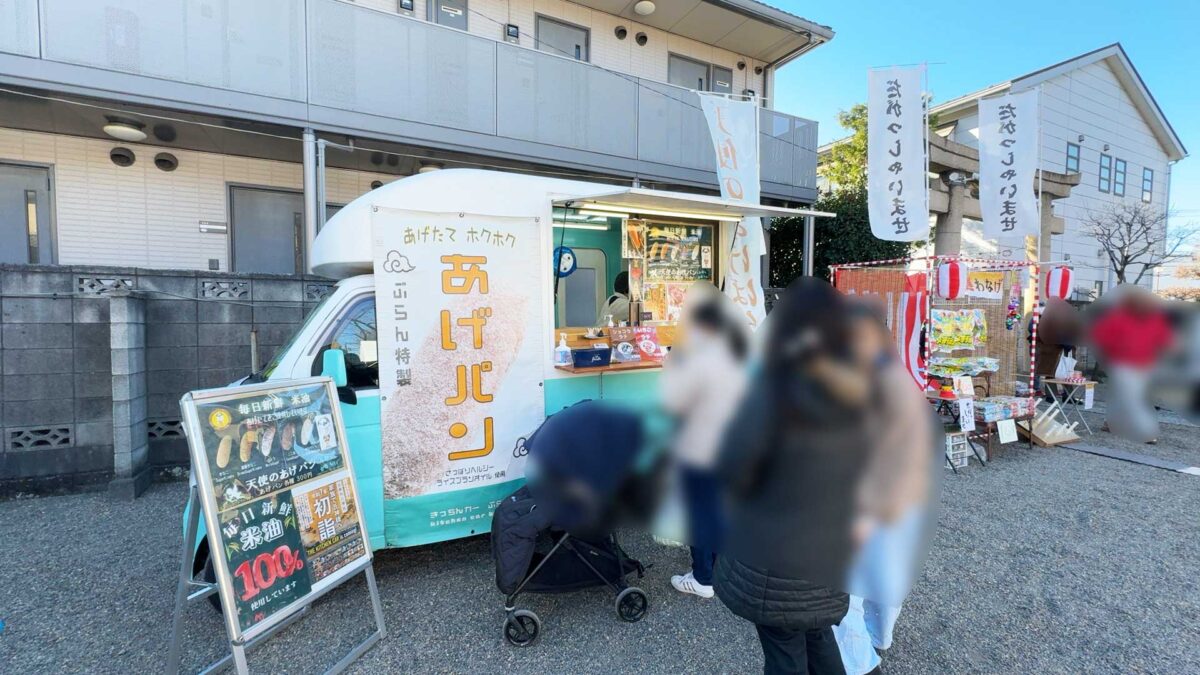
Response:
column 791, row 461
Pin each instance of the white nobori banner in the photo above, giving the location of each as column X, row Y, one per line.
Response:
column 734, row 129
column 1008, row 159
column 897, row 188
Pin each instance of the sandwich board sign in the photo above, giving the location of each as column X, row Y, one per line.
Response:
column 272, row 478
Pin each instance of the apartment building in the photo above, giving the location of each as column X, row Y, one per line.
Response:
column 1098, row 120
column 175, row 134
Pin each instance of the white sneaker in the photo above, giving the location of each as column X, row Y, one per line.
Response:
column 686, row 583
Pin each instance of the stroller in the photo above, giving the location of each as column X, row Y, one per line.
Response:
column 557, row 533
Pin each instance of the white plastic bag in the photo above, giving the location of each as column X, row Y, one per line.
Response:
column 1066, row 366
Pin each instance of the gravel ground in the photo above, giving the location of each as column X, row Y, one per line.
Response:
column 1047, row 560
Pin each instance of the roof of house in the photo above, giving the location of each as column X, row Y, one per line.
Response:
column 1117, row 59
column 747, row 27
column 1122, row 67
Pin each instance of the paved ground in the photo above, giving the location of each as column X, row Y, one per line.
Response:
column 1045, row 561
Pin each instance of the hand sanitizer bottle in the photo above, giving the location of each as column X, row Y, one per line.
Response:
column 562, row 353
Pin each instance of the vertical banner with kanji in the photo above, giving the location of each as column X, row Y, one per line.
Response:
column 733, row 125
column 897, row 187
column 459, row 304
column 1008, row 159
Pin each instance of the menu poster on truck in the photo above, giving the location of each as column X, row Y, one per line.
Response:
column 278, row 496
column 461, row 309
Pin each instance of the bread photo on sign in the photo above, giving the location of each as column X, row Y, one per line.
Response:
column 265, row 439
column 224, row 450
column 246, row 448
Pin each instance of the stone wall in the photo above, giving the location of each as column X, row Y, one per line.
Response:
column 96, row 358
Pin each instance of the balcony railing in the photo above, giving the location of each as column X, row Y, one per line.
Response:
column 337, row 59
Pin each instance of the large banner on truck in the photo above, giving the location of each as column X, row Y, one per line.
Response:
column 460, row 309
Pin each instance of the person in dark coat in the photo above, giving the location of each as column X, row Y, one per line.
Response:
column 792, row 461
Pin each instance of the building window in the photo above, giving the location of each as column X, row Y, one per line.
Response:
column 1097, row 289
column 1072, row 158
column 1147, row 185
column 563, row 39
column 1105, row 173
column 1119, row 178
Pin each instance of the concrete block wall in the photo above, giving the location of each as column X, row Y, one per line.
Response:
column 93, row 361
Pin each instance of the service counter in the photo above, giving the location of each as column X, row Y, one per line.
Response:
column 634, row 382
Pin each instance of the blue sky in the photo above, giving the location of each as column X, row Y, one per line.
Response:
column 971, row 45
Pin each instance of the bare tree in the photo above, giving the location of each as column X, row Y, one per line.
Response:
column 1135, row 237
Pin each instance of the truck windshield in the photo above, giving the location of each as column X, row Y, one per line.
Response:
column 275, row 360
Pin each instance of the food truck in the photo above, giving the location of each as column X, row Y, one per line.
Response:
column 455, row 290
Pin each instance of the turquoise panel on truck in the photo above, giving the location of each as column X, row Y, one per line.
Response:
column 366, row 451
column 565, row 392
column 638, row 388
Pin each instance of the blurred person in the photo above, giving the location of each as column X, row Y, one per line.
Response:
column 893, row 517
column 791, row 463
column 1131, row 333
column 702, row 382
column 617, row 304
column 1058, row 332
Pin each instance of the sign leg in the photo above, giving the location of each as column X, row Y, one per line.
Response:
column 185, row 578
column 239, row 659
column 376, row 603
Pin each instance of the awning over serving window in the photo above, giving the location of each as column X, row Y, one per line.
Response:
column 647, row 202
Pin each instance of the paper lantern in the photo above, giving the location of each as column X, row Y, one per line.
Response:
column 952, row 280
column 1059, row 282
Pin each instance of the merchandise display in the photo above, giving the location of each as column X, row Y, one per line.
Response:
column 951, row 366
column 957, row 329
column 996, row 408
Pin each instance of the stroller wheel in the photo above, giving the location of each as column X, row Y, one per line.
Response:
column 632, row 604
column 521, row 627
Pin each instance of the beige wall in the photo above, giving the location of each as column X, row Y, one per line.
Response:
column 140, row 216
column 624, row 56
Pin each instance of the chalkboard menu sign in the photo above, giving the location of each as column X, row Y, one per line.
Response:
column 278, row 496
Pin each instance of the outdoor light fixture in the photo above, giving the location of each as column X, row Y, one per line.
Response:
column 125, row 130
column 582, row 226
column 644, row 7
column 602, row 214
column 427, row 167
column 612, row 211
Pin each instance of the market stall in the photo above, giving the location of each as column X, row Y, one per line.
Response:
column 961, row 331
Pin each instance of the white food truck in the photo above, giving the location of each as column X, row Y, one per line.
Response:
column 447, row 311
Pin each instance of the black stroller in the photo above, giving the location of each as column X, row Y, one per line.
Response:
column 557, row 534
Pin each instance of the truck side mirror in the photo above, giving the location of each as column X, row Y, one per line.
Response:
column 333, row 366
